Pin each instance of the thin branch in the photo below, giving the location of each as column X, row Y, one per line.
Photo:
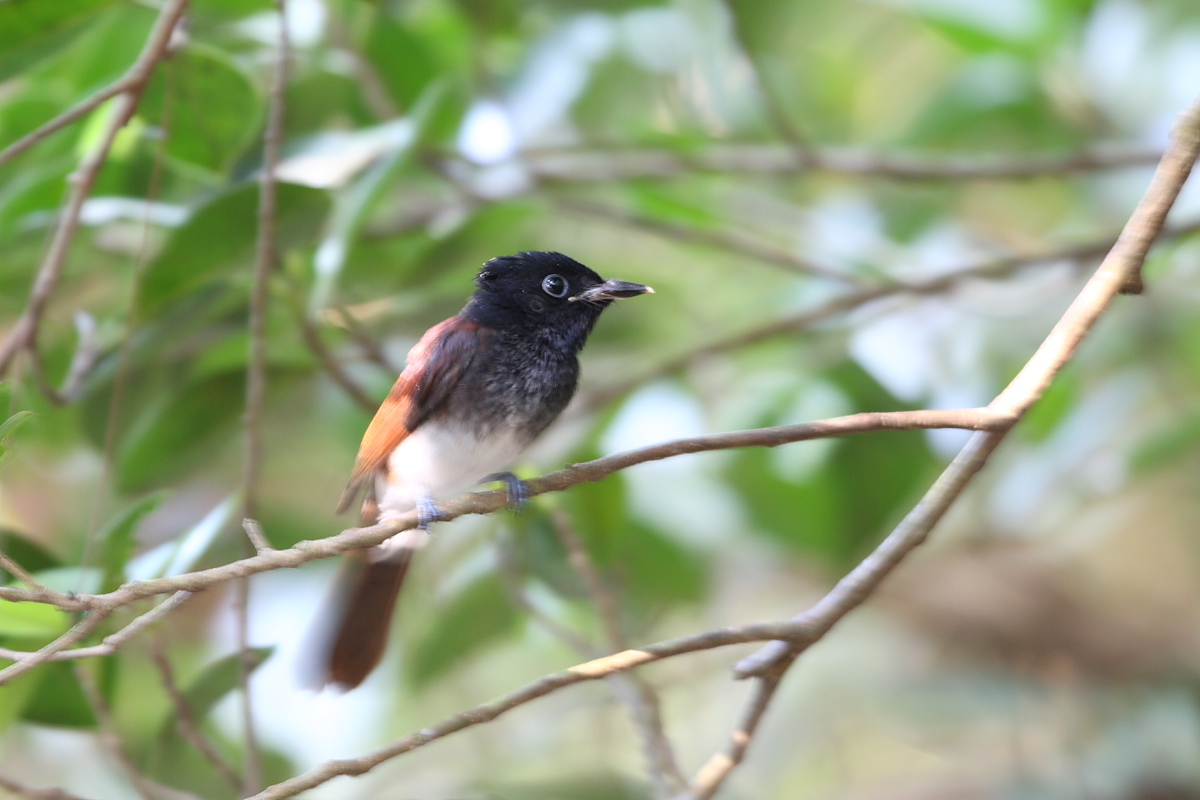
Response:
column 77, row 633
column 366, row 343
column 630, row 690
column 128, row 91
column 591, row 399
column 488, row 502
column 30, row 793
column 775, row 111
column 724, row 240
column 254, row 533
column 595, row 669
column 110, row 644
column 714, row 772
column 312, row 338
column 574, row 165
column 186, row 722
column 19, row 572
column 256, row 380
column 83, row 363
column 640, row 696
column 1120, row 266
column 110, row 738
column 370, row 82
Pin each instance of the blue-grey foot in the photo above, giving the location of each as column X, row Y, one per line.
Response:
column 516, row 493
column 427, row 511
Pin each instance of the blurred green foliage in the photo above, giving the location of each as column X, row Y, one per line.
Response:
column 425, row 137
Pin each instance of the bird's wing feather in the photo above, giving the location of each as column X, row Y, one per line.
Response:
column 435, row 366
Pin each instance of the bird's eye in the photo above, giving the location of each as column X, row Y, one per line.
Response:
column 555, row 285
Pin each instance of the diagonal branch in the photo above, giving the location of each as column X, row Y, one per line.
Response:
column 488, row 502
column 724, row 240
column 24, row 333
column 1120, row 269
column 575, row 165
column 266, row 257
column 186, row 721
column 774, row 109
column 639, row 694
column 20, row 790
column 592, row 399
column 28, row 660
column 714, row 772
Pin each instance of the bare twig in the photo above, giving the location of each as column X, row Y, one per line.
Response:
column 30, row 793
column 724, row 240
column 591, row 399
column 635, row 691
column 488, row 502
column 374, row 89
column 1118, row 268
column 369, row 346
column 710, row 776
column 572, row 165
column 312, row 337
column 254, row 533
column 77, row 633
column 774, row 109
column 595, row 669
column 87, row 356
column 128, row 92
column 107, row 647
column 598, row 592
column 186, row 721
column 110, row 738
column 19, row 572
column 256, row 381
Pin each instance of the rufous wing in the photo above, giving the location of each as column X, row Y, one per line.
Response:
column 435, row 366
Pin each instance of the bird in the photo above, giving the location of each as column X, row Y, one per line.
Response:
column 477, row 389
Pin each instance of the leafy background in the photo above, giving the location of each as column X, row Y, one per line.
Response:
column 1042, row 645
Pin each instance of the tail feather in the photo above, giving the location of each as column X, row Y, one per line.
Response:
column 351, row 634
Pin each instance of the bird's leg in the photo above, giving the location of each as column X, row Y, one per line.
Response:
column 516, row 493
column 427, row 511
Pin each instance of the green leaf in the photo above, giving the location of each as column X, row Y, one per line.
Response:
column 29, row 30
column 181, row 432
column 220, row 236
column 26, row 552
column 1051, row 409
column 479, row 616
column 117, row 539
column 32, row 620
column 208, row 106
column 14, row 696
column 214, row 682
column 541, row 554
column 866, row 482
column 355, row 205
column 59, row 699
column 402, row 59
column 10, row 425
column 1176, row 440
column 652, row 570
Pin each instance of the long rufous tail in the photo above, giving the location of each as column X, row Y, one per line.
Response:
column 365, row 599
column 351, row 632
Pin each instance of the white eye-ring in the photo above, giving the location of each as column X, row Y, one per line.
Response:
column 555, row 285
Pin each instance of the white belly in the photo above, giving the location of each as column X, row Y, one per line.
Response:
column 443, row 462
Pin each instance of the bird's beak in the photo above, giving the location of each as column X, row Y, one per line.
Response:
column 612, row 290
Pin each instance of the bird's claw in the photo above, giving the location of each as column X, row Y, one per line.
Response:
column 427, row 512
column 516, row 493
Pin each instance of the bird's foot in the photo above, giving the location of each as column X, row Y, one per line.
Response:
column 516, row 493
column 427, row 511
